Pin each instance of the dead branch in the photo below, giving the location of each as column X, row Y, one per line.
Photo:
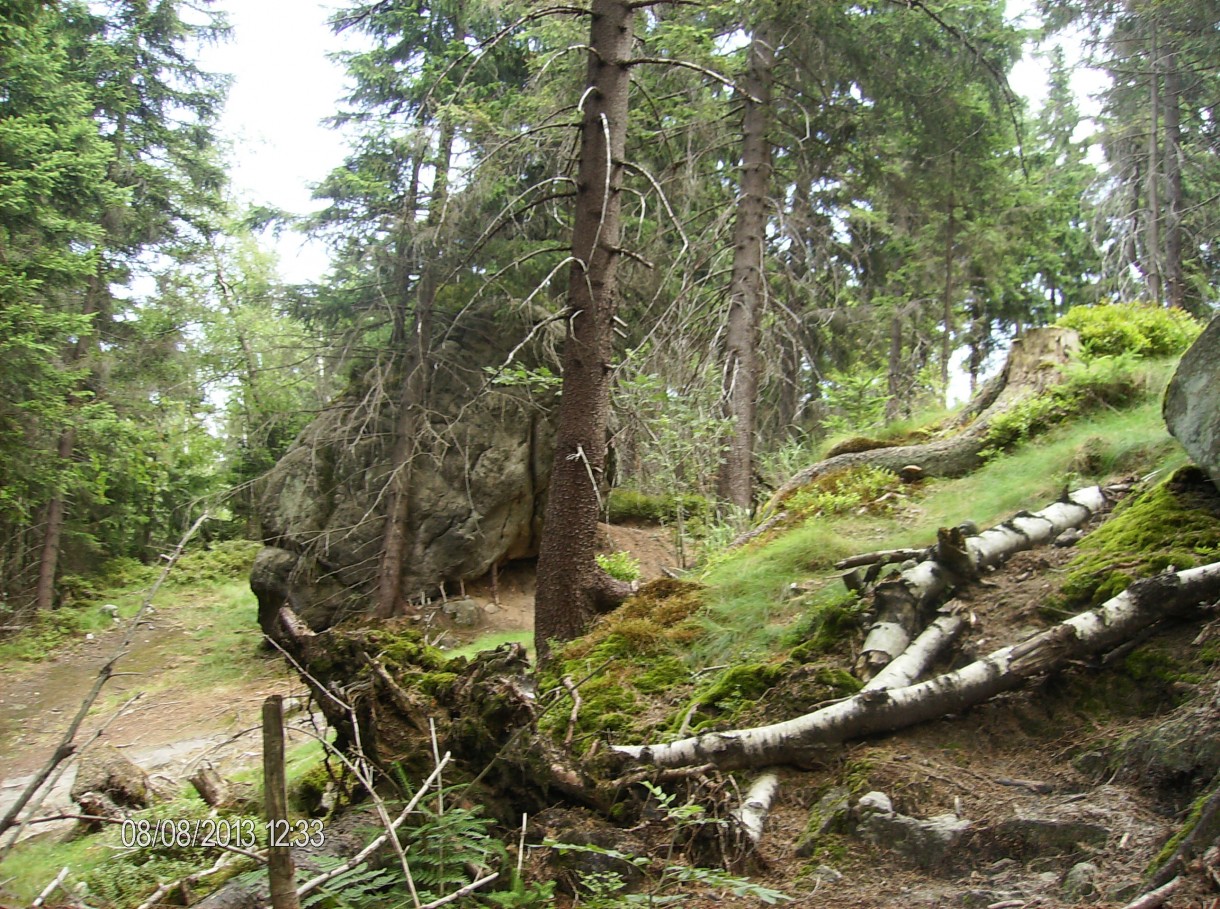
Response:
column 902, row 600
column 66, row 748
column 576, row 704
column 59, row 879
column 1154, row 898
column 464, row 891
column 882, row 557
column 747, row 536
column 752, row 815
column 869, row 712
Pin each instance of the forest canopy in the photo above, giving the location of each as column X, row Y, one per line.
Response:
column 825, row 214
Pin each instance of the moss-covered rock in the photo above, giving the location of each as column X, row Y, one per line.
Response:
column 1174, row 524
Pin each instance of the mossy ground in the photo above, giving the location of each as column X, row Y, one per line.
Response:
column 1174, row 524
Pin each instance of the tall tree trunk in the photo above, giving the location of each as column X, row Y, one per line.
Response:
column 48, row 562
column 1175, row 280
column 413, row 392
column 1152, row 268
column 893, row 402
column 747, row 290
column 57, row 506
column 946, row 341
column 571, row 586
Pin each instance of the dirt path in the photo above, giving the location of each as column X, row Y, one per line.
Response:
column 176, row 722
column 172, row 724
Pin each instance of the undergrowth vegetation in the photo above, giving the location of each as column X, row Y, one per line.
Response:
column 1140, row 329
column 214, row 578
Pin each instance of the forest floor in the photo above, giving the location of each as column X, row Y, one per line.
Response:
column 1031, row 771
column 185, row 714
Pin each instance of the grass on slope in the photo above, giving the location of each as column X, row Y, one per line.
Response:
column 748, row 611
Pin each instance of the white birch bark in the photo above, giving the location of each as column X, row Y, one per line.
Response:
column 901, row 599
column 913, row 662
column 796, row 741
column 752, row 815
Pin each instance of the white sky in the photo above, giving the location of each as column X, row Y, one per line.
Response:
column 284, row 86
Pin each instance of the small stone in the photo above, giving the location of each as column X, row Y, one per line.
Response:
column 1052, row 836
column 1081, row 881
column 1069, row 537
column 826, row 873
column 874, row 803
column 464, row 612
column 829, row 815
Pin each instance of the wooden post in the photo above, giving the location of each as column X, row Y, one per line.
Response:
column 280, row 869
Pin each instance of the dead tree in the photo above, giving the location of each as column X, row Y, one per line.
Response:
column 1032, row 366
column 800, row 740
column 903, row 601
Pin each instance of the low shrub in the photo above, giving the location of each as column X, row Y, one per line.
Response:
column 1140, row 329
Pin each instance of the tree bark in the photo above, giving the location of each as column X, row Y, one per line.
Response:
column 946, row 341
column 747, row 289
column 1175, row 279
column 48, row 561
column 412, row 398
column 1152, row 268
column 570, row 583
column 903, row 600
column 799, row 740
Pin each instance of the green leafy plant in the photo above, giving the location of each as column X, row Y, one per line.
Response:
column 1140, row 329
column 358, row 888
column 537, row 381
column 621, row 566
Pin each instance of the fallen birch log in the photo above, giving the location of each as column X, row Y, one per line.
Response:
column 799, row 740
column 752, row 815
column 913, row 662
column 904, row 598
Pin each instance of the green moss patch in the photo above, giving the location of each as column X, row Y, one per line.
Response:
column 1174, row 524
column 632, row 505
column 629, row 669
column 829, row 625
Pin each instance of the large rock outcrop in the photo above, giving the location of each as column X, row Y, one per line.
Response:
column 475, row 494
column 1192, row 401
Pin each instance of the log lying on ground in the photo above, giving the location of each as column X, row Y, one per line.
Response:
column 1025, row 373
column 799, row 740
column 903, row 600
column 752, row 815
column 913, row 662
